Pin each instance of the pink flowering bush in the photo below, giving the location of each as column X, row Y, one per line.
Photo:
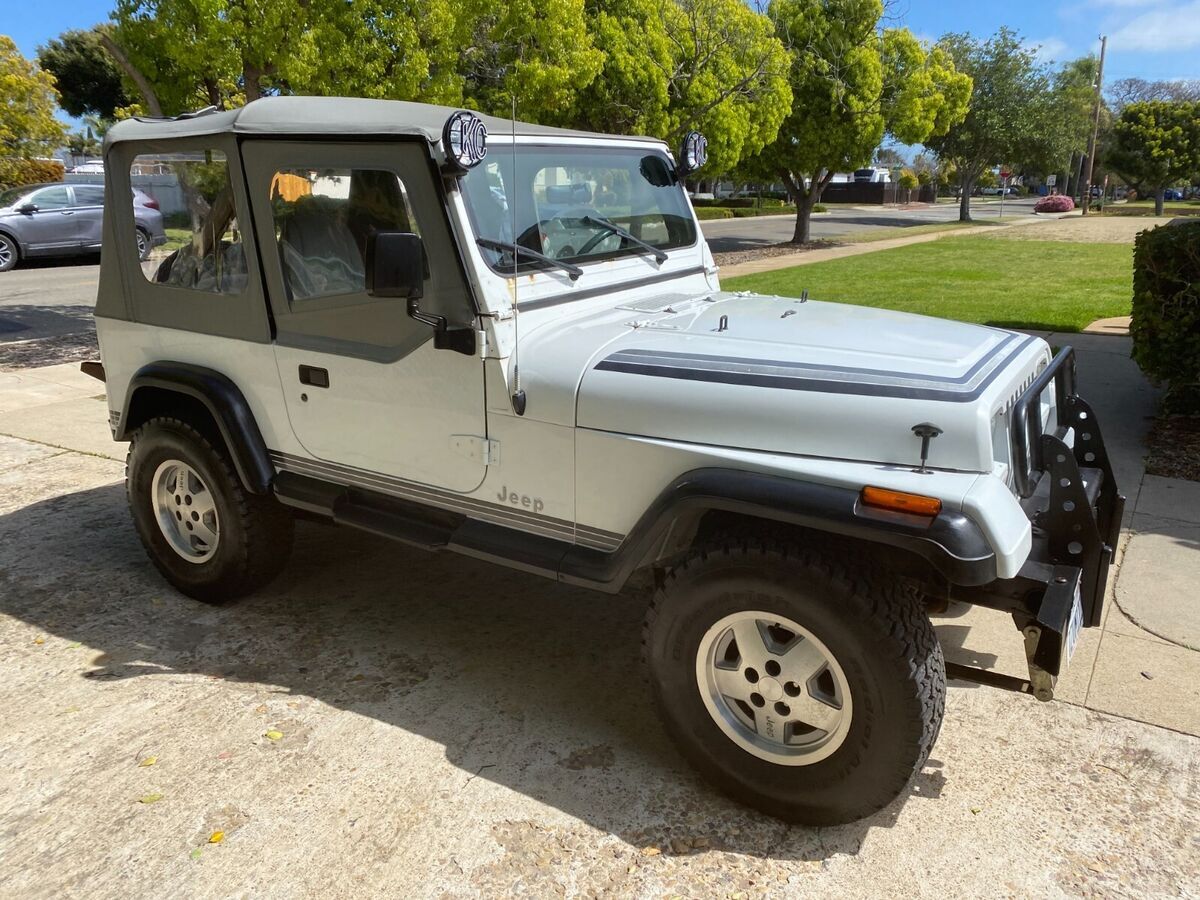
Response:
column 1054, row 203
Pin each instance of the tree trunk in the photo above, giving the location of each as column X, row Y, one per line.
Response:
column 140, row 80
column 964, row 200
column 1158, row 201
column 806, row 198
column 251, row 81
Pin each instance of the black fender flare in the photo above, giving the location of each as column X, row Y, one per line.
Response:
column 223, row 400
column 951, row 542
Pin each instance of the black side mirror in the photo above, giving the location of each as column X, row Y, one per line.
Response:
column 395, row 265
column 26, row 209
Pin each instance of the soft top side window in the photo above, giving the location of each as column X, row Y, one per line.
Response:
column 204, row 250
column 323, row 219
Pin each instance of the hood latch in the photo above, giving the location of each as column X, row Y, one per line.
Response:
column 926, row 431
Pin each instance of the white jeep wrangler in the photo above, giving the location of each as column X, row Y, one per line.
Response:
column 509, row 341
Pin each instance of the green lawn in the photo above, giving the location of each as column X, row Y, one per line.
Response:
column 1044, row 285
column 176, row 238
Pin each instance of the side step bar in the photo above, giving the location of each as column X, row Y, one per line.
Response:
column 409, row 523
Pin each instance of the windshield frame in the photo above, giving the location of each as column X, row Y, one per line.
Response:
column 647, row 148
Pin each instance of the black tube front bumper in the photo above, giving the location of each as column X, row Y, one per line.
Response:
column 1064, row 481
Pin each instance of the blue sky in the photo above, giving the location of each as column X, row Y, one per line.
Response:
column 1147, row 38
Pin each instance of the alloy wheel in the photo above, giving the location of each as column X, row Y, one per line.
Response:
column 773, row 688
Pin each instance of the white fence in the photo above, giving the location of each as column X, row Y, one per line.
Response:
column 163, row 188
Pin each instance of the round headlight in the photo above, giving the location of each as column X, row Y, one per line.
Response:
column 464, row 140
column 693, row 153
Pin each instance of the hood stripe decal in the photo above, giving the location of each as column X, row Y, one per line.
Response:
column 797, row 376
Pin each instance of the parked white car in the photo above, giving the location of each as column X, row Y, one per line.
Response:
column 510, row 341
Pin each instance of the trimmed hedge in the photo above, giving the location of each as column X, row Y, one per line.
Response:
column 1166, row 309
column 704, row 213
column 16, row 172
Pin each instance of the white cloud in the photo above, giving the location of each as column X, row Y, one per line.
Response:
column 1164, row 29
column 1049, row 49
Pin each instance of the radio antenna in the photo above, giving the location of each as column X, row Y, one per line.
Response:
column 518, row 395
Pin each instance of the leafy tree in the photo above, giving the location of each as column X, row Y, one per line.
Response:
column 852, row 85
column 889, row 158
column 671, row 66
column 475, row 52
column 28, row 100
column 89, row 81
column 1011, row 111
column 907, row 182
column 1157, row 143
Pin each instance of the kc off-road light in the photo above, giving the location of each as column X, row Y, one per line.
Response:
column 464, row 140
column 693, row 153
column 899, row 501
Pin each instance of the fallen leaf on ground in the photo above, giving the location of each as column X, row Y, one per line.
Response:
column 225, row 754
column 150, row 798
column 650, row 851
column 976, row 810
column 196, row 853
column 216, row 837
column 39, row 640
column 148, row 761
column 273, row 735
column 261, row 708
column 74, row 645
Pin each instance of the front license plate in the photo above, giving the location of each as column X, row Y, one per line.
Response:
column 1074, row 626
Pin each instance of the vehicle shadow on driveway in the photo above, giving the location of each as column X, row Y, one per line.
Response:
column 531, row 685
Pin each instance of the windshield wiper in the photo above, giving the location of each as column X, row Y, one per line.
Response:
column 508, row 247
column 659, row 256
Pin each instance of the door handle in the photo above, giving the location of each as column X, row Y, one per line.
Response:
column 311, row 375
column 67, row 212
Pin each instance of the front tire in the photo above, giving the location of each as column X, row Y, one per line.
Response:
column 10, row 255
column 210, row 538
column 799, row 683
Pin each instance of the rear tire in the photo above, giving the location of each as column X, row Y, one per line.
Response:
column 10, row 254
column 210, row 538
column 860, row 692
column 144, row 244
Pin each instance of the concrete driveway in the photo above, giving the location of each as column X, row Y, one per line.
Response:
column 383, row 722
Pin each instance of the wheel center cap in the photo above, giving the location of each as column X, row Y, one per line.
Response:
column 771, row 689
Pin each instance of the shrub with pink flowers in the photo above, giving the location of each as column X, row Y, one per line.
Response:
column 1054, row 203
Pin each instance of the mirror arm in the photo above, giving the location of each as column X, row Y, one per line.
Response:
column 458, row 339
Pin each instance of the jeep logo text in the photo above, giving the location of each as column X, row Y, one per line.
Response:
column 507, row 496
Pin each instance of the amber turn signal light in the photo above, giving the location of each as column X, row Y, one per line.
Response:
column 898, row 501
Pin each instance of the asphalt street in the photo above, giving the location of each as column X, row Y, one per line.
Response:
column 731, row 235
column 45, row 306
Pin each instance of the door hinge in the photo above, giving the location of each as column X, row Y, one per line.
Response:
column 476, row 448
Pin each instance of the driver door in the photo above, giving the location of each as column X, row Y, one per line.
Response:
column 363, row 384
column 51, row 228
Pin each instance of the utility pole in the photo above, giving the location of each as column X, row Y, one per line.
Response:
column 1086, row 200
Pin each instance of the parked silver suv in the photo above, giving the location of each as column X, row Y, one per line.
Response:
column 65, row 220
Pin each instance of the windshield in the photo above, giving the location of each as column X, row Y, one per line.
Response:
column 565, row 199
